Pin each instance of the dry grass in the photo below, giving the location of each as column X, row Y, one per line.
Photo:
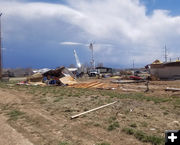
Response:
column 45, row 114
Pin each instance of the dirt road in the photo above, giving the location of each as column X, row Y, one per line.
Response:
column 9, row 136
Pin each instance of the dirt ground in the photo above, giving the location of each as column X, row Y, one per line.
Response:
column 41, row 115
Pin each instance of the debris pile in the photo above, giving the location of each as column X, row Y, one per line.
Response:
column 37, row 77
column 60, row 76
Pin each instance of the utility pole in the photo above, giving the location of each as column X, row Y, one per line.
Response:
column 165, row 53
column 133, row 67
column 0, row 50
column 133, row 64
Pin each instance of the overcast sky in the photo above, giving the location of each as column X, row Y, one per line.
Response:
column 43, row 33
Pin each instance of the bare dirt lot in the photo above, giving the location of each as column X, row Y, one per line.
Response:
column 41, row 115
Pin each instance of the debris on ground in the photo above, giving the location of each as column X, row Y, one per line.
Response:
column 59, row 76
column 127, row 81
column 68, row 80
column 172, row 89
column 135, row 78
column 23, row 83
column 95, row 84
column 75, row 116
column 129, row 90
column 37, row 77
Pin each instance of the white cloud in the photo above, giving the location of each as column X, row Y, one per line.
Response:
column 37, row 10
column 122, row 23
column 71, row 43
column 98, row 46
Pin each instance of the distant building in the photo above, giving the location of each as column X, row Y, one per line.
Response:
column 104, row 70
column 169, row 70
column 17, row 72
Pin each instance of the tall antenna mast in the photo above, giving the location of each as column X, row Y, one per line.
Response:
column 165, row 53
column 0, row 49
column 92, row 59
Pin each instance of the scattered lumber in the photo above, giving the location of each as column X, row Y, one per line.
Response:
column 75, row 116
column 172, row 89
column 129, row 90
column 127, row 81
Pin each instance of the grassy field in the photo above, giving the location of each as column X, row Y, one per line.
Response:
column 42, row 114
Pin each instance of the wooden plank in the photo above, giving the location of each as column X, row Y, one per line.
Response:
column 127, row 81
column 172, row 89
column 93, row 85
column 75, row 116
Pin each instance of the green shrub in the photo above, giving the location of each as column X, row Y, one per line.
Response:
column 113, row 126
column 15, row 114
column 63, row 143
column 103, row 143
column 133, row 125
column 140, row 135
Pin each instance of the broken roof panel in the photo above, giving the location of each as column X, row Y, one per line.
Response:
column 59, row 72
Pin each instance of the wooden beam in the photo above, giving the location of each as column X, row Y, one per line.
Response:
column 172, row 89
column 75, row 116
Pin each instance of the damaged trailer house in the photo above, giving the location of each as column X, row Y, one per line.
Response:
column 58, row 76
column 168, row 70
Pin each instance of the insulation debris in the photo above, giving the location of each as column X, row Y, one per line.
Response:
column 68, row 80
